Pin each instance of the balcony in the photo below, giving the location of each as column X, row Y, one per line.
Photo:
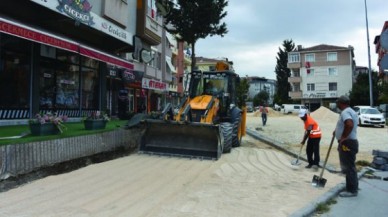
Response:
column 294, row 65
column 295, row 94
column 294, row 79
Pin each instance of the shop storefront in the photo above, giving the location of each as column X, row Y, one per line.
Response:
column 41, row 72
column 156, row 92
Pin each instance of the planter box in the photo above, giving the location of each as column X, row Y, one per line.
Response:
column 38, row 129
column 94, row 124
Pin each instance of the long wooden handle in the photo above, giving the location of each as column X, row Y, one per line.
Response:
column 327, row 157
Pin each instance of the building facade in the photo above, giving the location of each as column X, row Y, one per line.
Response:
column 381, row 48
column 320, row 74
column 258, row 84
column 76, row 57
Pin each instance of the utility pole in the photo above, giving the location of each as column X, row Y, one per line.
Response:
column 370, row 71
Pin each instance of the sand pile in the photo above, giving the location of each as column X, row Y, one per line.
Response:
column 326, row 114
column 271, row 113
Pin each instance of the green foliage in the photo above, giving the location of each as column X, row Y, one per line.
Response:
column 242, row 92
column 73, row 129
column 261, row 98
column 195, row 19
column 324, row 207
column 283, row 73
column 42, row 118
column 383, row 96
column 359, row 95
column 97, row 115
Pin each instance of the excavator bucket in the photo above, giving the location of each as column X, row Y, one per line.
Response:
column 194, row 140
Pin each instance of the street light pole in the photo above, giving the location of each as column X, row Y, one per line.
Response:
column 370, row 71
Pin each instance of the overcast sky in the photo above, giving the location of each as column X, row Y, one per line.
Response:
column 257, row 29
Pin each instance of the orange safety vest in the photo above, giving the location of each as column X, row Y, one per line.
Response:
column 316, row 131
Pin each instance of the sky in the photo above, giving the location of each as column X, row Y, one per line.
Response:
column 257, row 29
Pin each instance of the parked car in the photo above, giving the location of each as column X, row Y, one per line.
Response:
column 368, row 115
column 292, row 108
column 249, row 109
column 277, row 107
column 249, row 106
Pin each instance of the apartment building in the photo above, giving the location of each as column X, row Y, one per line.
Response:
column 178, row 63
column 381, row 46
column 320, row 74
column 258, row 84
column 209, row 64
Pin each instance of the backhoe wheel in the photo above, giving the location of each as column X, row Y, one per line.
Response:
column 226, row 130
column 236, row 120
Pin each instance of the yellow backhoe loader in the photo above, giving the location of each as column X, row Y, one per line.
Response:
column 208, row 122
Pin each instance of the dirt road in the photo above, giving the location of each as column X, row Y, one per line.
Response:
column 253, row 180
column 250, row 181
column 289, row 130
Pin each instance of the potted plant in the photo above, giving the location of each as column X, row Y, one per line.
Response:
column 96, row 120
column 47, row 124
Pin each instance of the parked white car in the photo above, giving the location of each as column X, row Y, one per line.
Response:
column 292, row 108
column 369, row 116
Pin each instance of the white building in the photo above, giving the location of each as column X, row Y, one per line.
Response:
column 320, row 74
column 258, row 84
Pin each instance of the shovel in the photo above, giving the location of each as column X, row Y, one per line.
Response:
column 296, row 161
column 318, row 181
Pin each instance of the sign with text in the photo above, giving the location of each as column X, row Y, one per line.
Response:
column 154, row 84
column 81, row 12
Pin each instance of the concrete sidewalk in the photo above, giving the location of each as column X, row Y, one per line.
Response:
column 372, row 199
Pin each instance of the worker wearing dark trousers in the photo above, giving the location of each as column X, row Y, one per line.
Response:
column 347, row 155
column 346, row 135
column 264, row 112
column 313, row 136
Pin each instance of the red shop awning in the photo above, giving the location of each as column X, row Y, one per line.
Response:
column 99, row 55
column 22, row 31
column 29, row 33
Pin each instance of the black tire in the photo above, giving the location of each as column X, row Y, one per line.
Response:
column 236, row 120
column 226, row 131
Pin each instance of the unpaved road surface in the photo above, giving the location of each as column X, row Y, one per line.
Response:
column 253, row 180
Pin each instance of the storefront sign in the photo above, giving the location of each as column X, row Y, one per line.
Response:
column 25, row 32
column 76, row 10
column 154, row 84
column 131, row 76
column 320, row 94
column 123, row 94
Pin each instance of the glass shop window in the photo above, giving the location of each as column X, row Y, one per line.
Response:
column 14, row 72
column 90, row 83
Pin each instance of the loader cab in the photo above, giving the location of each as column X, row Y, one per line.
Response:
column 220, row 84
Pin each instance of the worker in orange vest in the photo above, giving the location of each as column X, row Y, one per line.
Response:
column 313, row 136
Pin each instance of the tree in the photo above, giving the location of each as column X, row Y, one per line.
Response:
column 261, row 98
column 283, row 73
column 359, row 95
column 242, row 92
column 383, row 92
column 194, row 19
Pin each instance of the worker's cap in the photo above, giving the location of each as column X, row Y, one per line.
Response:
column 343, row 99
column 302, row 113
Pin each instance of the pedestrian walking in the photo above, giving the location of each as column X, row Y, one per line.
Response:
column 264, row 112
column 346, row 135
column 313, row 136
